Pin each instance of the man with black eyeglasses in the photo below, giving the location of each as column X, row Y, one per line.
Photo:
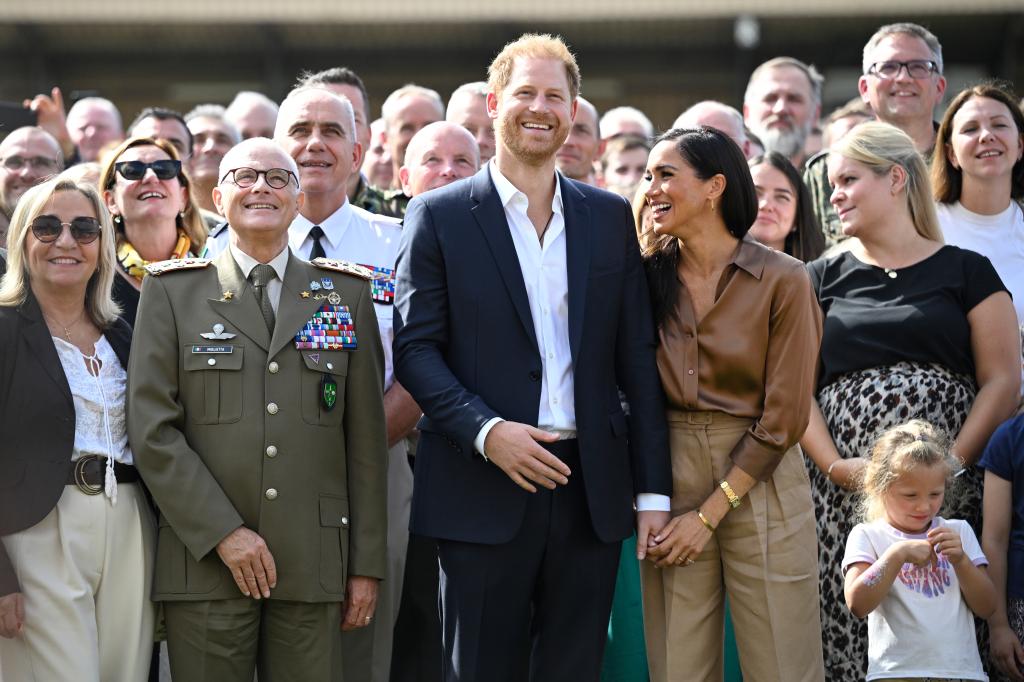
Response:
column 257, row 422
column 902, row 82
column 28, row 156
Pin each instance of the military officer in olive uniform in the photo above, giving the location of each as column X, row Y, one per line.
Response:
column 256, row 415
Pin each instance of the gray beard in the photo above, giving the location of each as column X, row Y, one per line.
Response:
column 789, row 143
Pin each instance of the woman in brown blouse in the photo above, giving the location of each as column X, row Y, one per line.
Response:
column 739, row 329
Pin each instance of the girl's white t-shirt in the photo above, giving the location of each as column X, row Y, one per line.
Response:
column 923, row 627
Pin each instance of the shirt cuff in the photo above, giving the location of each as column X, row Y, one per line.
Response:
column 481, row 437
column 653, row 502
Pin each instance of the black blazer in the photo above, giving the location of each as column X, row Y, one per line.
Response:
column 465, row 348
column 37, row 420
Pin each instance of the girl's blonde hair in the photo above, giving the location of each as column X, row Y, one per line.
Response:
column 15, row 285
column 898, row 451
column 880, row 146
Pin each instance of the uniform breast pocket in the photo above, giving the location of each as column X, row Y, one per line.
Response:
column 323, row 387
column 212, row 385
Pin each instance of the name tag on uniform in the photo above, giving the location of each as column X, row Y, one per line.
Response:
column 213, row 349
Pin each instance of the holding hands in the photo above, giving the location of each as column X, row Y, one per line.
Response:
column 680, row 542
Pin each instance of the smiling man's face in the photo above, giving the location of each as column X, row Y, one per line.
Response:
column 258, row 211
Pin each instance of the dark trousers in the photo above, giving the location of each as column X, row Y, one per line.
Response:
column 416, row 656
column 535, row 608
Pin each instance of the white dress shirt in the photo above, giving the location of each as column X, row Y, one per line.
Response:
column 544, row 268
column 246, row 263
column 545, row 273
column 358, row 236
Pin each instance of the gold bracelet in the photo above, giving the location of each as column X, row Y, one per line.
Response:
column 828, row 474
column 734, row 500
column 704, row 520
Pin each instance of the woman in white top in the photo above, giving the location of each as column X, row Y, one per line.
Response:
column 76, row 531
column 978, row 180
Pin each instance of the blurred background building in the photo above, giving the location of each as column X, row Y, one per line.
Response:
column 658, row 55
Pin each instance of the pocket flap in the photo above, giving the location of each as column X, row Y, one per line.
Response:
column 333, row 511
column 326, row 362
column 210, row 357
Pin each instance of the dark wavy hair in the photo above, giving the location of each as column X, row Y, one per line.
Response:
column 807, row 241
column 709, row 152
column 947, row 181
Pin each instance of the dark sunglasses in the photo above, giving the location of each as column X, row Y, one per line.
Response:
column 165, row 169
column 48, row 228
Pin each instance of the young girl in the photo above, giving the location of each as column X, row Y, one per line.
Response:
column 1003, row 540
column 915, row 575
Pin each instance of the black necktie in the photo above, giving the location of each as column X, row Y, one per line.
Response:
column 318, row 249
column 260, row 276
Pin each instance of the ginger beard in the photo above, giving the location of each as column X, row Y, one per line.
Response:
column 534, row 152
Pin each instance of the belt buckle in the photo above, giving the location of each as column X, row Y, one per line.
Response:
column 80, row 481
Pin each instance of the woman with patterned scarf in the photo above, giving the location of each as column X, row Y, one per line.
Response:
column 155, row 217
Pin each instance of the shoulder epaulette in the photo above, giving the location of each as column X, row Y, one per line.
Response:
column 165, row 266
column 343, row 266
column 817, row 158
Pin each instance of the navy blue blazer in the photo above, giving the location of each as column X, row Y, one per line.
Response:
column 37, row 420
column 465, row 349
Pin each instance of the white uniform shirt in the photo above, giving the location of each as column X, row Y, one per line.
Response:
column 358, row 236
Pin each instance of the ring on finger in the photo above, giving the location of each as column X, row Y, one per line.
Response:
column 688, row 561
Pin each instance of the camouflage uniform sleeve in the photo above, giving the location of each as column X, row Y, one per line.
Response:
column 816, row 179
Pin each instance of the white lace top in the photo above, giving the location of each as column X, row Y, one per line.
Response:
column 100, row 427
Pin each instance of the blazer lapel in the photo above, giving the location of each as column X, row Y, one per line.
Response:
column 37, row 337
column 241, row 308
column 490, row 215
column 293, row 310
column 577, row 257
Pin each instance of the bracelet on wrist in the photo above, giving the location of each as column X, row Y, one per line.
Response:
column 730, row 494
column 828, row 474
column 704, row 520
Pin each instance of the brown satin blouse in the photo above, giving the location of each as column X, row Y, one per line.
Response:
column 754, row 355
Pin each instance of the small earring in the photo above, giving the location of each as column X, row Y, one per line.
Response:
column 118, row 220
column 712, row 205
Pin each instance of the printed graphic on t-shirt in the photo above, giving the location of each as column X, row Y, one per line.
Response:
column 931, row 581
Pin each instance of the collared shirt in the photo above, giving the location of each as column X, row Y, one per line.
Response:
column 544, row 268
column 358, row 236
column 753, row 355
column 246, row 263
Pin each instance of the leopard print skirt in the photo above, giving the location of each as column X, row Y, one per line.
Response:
column 858, row 407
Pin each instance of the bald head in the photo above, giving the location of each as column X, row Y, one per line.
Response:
column 264, row 148
column 28, row 156
column 93, row 123
column 437, row 155
column 258, row 213
column 719, row 116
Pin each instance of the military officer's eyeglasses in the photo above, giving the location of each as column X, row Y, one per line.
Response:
column 277, row 178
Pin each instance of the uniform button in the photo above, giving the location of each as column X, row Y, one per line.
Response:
column 689, row 371
column 330, row 365
column 272, row 407
column 271, row 493
column 344, row 520
column 272, row 368
column 535, row 376
column 271, row 451
column 211, row 362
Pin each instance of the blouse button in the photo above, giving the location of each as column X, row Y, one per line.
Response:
column 689, row 371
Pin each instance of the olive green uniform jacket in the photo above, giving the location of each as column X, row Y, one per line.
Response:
column 233, row 431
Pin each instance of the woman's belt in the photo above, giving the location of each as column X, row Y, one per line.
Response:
column 88, row 474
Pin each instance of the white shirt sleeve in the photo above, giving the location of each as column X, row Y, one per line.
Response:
column 481, row 437
column 653, row 502
column 858, row 548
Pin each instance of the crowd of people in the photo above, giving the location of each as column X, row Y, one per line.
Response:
column 314, row 395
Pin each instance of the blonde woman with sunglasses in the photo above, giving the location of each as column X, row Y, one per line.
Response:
column 76, row 531
column 155, row 218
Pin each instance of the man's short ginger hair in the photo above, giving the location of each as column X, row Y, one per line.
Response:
column 543, row 46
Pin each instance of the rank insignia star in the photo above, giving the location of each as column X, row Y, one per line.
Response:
column 304, row 294
column 228, row 295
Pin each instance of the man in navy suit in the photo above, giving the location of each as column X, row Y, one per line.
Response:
column 521, row 309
